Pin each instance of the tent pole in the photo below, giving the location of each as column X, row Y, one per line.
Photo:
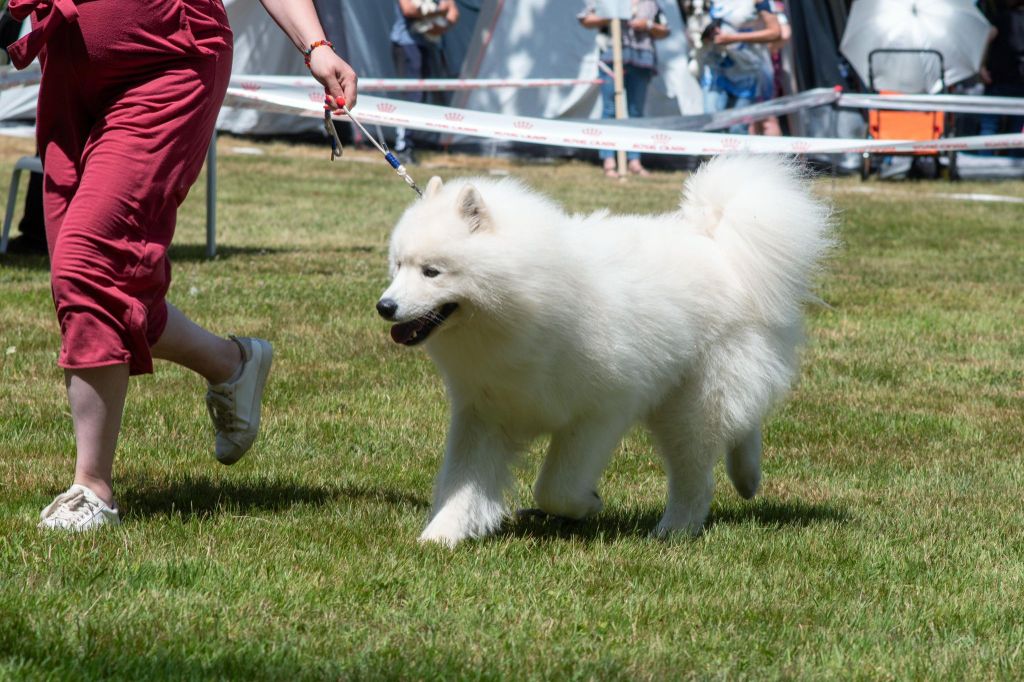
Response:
column 620, row 94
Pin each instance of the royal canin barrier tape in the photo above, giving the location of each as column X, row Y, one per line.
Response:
column 954, row 104
column 779, row 106
column 586, row 135
column 304, row 96
column 419, row 84
column 10, row 78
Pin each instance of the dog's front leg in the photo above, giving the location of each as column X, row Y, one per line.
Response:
column 578, row 455
column 469, row 491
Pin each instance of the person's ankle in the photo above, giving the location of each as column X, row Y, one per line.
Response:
column 232, row 366
column 102, row 489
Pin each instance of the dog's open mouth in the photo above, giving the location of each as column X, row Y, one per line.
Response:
column 416, row 331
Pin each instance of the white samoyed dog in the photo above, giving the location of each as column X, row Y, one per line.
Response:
column 577, row 327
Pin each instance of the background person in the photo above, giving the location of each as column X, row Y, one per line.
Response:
column 774, row 78
column 1003, row 69
column 417, row 51
column 735, row 65
column 640, row 64
column 122, row 124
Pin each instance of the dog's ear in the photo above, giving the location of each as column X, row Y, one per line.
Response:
column 433, row 187
column 472, row 209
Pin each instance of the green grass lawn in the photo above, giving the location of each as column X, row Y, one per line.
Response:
column 886, row 543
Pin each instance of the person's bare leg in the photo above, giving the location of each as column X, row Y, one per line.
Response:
column 96, row 397
column 185, row 343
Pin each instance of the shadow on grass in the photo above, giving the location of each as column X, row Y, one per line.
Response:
column 778, row 513
column 24, row 261
column 196, row 253
column 201, row 497
column 631, row 523
column 186, row 253
column 179, row 253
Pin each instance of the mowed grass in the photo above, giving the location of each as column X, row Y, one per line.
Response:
column 886, row 543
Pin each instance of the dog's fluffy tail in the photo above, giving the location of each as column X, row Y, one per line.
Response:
column 774, row 232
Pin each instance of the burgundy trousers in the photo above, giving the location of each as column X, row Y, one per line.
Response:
column 127, row 105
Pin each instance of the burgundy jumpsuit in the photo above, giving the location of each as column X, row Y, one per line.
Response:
column 127, row 104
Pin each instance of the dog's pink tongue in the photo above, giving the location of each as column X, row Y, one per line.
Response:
column 401, row 333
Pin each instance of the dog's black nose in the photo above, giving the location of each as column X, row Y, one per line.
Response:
column 387, row 308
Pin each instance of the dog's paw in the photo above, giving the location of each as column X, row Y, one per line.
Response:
column 564, row 506
column 449, row 527
column 678, row 527
column 435, row 536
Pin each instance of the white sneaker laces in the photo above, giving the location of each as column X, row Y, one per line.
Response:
column 71, row 509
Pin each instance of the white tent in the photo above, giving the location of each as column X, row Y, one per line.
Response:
column 543, row 39
column 360, row 31
column 506, row 39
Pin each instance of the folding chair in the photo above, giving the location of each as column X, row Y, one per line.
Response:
column 33, row 164
column 25, row 163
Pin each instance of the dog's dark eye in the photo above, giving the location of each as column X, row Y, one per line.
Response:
column 429, row 271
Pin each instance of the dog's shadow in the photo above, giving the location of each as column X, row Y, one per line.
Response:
column 202, row 497
column 613, row 524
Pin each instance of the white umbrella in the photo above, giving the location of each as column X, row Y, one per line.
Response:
column 954, row 28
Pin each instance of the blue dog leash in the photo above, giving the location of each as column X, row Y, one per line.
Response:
column 336, row 149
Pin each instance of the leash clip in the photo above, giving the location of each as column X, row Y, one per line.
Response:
column 332, row 132
column 381, row 146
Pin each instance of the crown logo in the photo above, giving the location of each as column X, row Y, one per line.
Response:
column 386, row 107
column 454, row 116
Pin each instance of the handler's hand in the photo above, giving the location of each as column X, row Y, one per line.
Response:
column 334, row 73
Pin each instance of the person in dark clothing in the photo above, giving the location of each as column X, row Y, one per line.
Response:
column 417, row 52
column 1003, row 68
column 32, row 229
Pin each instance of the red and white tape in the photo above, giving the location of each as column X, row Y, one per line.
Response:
column 586, row 135
column 416, row 84
column 959, row 104
column 11, row 78
column 304, row 96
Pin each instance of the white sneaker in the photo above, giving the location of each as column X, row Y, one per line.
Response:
column 78, row 509
column 234, row 406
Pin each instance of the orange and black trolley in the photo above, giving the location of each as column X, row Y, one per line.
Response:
column 889, row 124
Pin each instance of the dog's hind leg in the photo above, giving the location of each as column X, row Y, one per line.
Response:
column 469, row 490
column 579, row 453
column 689, row 451
column 743, row 464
